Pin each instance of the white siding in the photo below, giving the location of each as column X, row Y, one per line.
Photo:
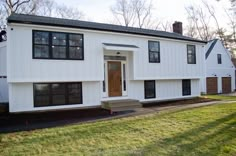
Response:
column 21, row 97
column 3, row 72
column 23, row 71
column 165, row 90
column 226, row 69
column 173, row 58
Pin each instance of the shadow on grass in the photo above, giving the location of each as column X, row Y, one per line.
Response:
column 208, row 140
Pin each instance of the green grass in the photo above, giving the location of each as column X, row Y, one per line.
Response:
column 205, row 131
column 221, row 97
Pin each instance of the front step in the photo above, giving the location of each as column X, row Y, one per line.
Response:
column 121, row 105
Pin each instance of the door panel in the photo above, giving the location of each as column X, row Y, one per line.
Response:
column 226, row 85
column 212, row 87
column 114, row 79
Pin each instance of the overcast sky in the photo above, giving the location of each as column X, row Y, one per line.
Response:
column 171, row 10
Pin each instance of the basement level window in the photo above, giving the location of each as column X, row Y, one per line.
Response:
column 57, row 45
column 54, row 94
column 150, row 89
column 186, row 87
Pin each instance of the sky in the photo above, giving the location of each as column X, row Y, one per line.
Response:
column 170, row 10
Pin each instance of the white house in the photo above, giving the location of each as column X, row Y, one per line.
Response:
column 3, row 73
column 58, row 64
column 220, row 70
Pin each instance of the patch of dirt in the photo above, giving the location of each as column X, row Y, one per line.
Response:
column 178, row 102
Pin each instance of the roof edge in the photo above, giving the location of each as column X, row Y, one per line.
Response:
column 99, row 29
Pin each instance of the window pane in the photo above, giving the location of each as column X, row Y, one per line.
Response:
column 42, row 100
column 153, row 46
column 41, row 37
column 154, row 56
column 58, row 88
column 59, row 99
column 58, row 39
column 149, row 89
column 191, row 54
column 186, row 87
column 75, row 93
column 75, row 53
column 41, row 51
column 58, row 52
column 75, row 40
column 41, row 89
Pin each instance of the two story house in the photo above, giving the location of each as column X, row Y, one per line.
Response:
column 57, row 63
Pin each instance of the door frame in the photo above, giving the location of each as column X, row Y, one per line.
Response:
column 124, row 92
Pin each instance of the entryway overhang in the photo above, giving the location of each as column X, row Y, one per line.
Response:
column 119, row 47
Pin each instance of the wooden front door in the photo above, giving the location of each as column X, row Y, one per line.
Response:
column 226, row 85
column 114, row 79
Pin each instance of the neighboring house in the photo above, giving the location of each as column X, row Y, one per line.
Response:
column 59, row 64
column 220, row 70
column 3, row 73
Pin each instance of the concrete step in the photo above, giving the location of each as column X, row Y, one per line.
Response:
column 121, row 105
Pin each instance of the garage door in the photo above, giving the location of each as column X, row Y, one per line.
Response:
column 226, row 84
column 212, row 87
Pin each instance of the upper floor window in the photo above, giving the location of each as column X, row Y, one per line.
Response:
column 219, row 59
column 57, row 45
column 154, row 51
column 191, row 54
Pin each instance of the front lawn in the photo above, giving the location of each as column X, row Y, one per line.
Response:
column 206, row 131
column 221, row 97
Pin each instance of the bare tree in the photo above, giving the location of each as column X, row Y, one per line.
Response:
column 190, row 29
column 123, row 12
column 201, row 22
column 12, row 6
column 143, row 12
column 166, row 26
column 63, row 11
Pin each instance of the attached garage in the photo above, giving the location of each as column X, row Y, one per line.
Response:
column 226, row 85
column 212, row 87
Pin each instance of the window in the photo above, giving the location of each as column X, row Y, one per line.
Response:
column 154, row 51
column 124, row 78
column 149, row 89
column 41, row 44
column 57, row 45
column 219, row 59
column 54, row 94
column 186, row 87
column 191, row 54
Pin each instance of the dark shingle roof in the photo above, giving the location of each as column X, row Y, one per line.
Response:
column 50, row 21
column 211, row 48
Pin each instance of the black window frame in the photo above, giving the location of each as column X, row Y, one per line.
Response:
column 51, row 44
column 50, row 95
column 145, row 89
column 194, row 60
column 158, row 52
column 219, row 58
column 186, row 84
